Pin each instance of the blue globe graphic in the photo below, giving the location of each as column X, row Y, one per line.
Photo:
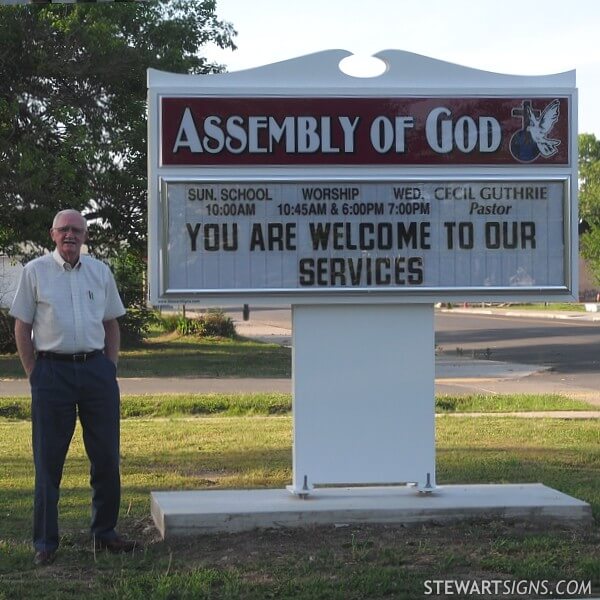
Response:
column 522, row 146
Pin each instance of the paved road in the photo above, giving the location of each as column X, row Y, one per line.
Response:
column 569, row 345
column 566, row 345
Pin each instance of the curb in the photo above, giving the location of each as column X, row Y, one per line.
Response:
column 535, row 314
column 556, row 414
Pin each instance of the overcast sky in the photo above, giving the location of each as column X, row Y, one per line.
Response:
column 538, row 37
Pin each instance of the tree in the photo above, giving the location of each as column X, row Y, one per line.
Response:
column 73, row 111
column 589, row 177
column 589, row 200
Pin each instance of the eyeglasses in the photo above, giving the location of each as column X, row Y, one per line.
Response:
column 67, row 228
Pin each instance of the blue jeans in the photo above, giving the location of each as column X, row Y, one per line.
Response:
column 59, row 391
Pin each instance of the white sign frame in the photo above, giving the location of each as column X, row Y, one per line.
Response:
column 190, row 295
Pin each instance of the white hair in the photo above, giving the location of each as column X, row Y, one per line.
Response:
column 69, row 211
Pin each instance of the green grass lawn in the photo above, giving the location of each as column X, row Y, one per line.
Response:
column 169, row 405
column 176, row 453
column 550, row 306
column 509, row 403
column 171, row 356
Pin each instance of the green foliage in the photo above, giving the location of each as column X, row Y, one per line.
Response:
column 589, row 177
column 187, row 326
column 7, row 333
column 217, row 324
column 134, row 326
column 168, row 323
column 73, row 111
column 212, row 324
column 589, row 199
column 129, row 271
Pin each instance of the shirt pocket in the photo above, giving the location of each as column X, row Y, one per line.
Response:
column 95, row 302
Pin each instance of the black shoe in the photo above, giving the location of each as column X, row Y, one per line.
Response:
column 116, row 545
column 43, row 558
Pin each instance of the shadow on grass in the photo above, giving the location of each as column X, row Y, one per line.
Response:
column 190, row 358
column 217, row 359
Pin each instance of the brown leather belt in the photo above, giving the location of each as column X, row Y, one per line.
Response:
column 69, row 357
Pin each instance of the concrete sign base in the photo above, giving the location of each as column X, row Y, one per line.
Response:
column 217, row 511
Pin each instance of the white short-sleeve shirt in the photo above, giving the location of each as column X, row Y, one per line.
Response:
column 67, row 305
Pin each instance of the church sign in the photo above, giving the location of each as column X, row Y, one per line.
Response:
column 261, row 193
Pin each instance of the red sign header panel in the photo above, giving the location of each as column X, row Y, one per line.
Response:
column 201, row 131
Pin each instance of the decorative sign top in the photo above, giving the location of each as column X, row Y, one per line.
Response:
column 321, row 70
column 368, row 131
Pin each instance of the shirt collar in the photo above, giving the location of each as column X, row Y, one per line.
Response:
column 63, row 263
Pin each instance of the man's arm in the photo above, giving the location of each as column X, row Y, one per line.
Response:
column 25, row 345
column 112, row 339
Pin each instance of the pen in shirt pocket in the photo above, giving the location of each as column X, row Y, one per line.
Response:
column 91, row 294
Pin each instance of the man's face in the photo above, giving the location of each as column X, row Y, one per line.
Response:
column 68, row 234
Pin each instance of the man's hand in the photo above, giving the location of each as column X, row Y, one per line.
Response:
column 25, row 345
column 112, row 339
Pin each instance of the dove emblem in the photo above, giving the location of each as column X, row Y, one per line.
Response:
column 533, row 139
column 540, row 128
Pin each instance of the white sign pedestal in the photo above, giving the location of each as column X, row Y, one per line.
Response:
column 363, row 405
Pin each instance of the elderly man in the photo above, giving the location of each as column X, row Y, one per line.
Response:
column 70, row 303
